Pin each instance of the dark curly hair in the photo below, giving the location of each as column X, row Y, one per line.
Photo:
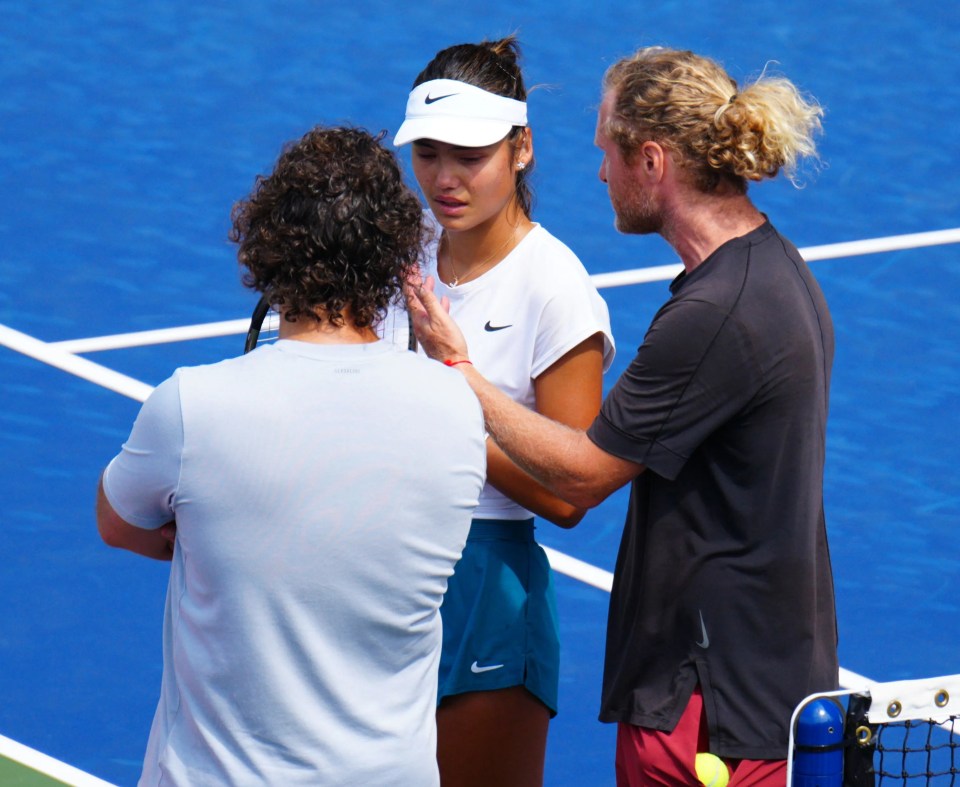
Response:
column 333, row 228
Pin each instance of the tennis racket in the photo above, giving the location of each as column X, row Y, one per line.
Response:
column 396, row 327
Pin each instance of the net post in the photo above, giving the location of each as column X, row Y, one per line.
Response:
column 818, row 744
column 860, row 735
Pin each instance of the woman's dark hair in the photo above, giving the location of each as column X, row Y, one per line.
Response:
column 493, row 66
column 333, row 228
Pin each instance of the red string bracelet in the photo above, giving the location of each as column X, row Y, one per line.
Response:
column 448, row 362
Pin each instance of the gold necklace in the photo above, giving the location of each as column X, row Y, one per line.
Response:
column 480, row 268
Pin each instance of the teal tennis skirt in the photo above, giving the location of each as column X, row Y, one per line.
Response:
column 500, row 615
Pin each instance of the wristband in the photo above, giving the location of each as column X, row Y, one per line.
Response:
column 448, row 362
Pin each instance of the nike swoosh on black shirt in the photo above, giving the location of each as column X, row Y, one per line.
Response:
column 491, row 328
column 431, row 99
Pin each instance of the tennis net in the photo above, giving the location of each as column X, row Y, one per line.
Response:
column 898, row 733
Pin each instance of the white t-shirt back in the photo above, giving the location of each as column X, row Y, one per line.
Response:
column 323, row 495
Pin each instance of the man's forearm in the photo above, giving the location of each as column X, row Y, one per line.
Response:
column 549, row 451
column 562, row 459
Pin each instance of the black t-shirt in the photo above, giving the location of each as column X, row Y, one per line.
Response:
column 723, row 576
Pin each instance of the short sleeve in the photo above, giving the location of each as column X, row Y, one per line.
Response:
column 140, row 483
column 573, row 312
column 694, row 369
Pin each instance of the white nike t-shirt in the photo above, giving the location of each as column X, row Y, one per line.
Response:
column 519, row 318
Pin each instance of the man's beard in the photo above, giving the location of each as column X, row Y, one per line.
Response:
column 637, row 214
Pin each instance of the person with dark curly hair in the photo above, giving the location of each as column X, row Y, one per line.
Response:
column 340, row 265
column 316, row 520
column 722, row 613
column 539, row 329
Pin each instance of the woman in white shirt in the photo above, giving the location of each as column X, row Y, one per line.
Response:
column 536, row 327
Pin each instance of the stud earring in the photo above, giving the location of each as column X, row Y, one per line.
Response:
column 521, row 165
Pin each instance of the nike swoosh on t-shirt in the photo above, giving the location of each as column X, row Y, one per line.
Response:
column 705, row 639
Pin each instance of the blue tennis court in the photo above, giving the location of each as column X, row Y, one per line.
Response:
column 127, row 131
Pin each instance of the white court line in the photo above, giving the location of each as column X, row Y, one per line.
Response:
column 851, row 680
column 159, row 336
column 810, row 253
column 48, row 765
column 585, row 572
column 81, row 367
column 601, row 280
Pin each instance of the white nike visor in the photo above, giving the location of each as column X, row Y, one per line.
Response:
column 459, row 114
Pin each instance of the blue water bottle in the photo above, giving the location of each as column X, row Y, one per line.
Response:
column 818, row 744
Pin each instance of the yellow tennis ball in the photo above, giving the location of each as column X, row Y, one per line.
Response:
column 711, row 770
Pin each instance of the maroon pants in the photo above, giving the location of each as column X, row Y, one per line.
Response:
column 649, row 757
